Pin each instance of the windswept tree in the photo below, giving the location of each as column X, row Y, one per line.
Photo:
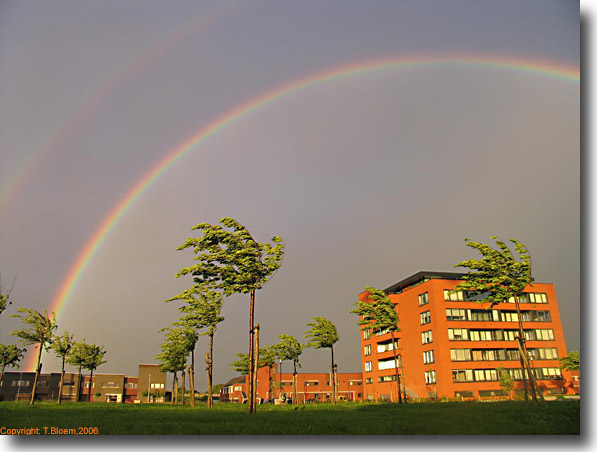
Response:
column 62, row 346
column 289, row 349
column 267, row 358
column 202, row 311
column 172, row 359
column 323, row 334
column 93, row 359
column 5, row 295
column 10, row 355
column 378, row 314
column 571, row 361
column 230, row 260
column 39, row 330
column 496, row 278
column 178, row 344
column 77, row 358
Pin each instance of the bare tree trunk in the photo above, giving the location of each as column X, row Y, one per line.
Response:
column 210, row 370
column 2, row 375
column 61, row 381
column 295, row 385
column 396, row 368
column 78, row 394
column 403, row 378
column 255, row 367
column 89, row 394
column 182, row 385
column 37, row 371
column 334, row 388
column 251, row 349
column 524, row 359
column 174, row 388
column 191, row 386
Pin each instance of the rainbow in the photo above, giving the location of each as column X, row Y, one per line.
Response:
column 538, row 68
column 24, row 171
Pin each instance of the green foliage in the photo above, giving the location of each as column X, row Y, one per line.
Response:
column 62, row 345
column 505, row 379
column 229, row 259
column 178, row 343
column 216, row 388
column 78, row 354
column 202, row 309
column 323, row 333
column 498, row 275
column 267, row 358
column 94, row 356
column 82, row 354
column 10, row 355
column 379, row 314
column 41, row 327
column 571, row 361
column 289, row 348
column 4, row 296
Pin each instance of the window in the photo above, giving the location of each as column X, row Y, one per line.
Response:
column 509, row 316
column 367, row 333
column 531, row 297
column 368, row 366
column 238, row 388
column 539, row 335
column 460, row 354
column 111, row 384
column 367, row 350
column 368, row 381
column 386, row 346
column 456, row 296
column 427, row 337
column 68, row 383
column 458, row 334
column 153, row 386
column 423, row 298
column 312, row 383
column 384, row 364
column 425, row 317
column 430, row 377
column 355, row 383
column 462, row 375
column 486, row 375
column 86, row 384
column 386, row 378
column 131, row 386
column 480, row 315
column 463, row 394
column 21, row 383
column 491, row 393
column 456, row 314
column 428, row 357
column 43, row 383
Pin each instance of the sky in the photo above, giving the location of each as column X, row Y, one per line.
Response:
column 368, row 177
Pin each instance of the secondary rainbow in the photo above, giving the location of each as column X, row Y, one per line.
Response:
column 536, row 67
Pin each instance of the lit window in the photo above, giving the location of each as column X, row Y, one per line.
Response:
column 430, row 377
column 425, row 317
column 456, row 296
column 428, row 357
column 427, row 337
column 367, row 350
column 368, row 366
column 367, row 334
column 458, row 334
column 368, row 381
column 423, row 299
column 456, row 314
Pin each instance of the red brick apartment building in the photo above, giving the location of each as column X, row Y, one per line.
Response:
column 451, row 347
column 312, row 387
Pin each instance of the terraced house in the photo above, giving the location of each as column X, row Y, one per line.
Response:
column 452, row 347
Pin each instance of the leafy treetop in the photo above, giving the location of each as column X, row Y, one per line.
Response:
column 267, row 358
column 202, row 309
column 62, row 345
column 323, row 333
column 379, row 314
column 10, row 355
column 289, row 348
column 41, row 327
column 228, row 258
column 498, row 275
column 571, row 361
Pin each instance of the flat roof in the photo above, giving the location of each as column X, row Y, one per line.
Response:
column 421, row 277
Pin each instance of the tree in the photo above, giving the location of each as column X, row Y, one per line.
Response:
column 62, row 346
column 323, row 334
column 5, row 295
column 93, row 359
column 202, row 311
column 178, row 344
column 229, row 259
column 571, row 361
column 76, row 358
column 289, row 349
column 496, row 278
column 379, row 315
column 40, row 331
column 10, row 355
column 506, row 380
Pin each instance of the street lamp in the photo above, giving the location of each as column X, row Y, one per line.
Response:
column 149, row 389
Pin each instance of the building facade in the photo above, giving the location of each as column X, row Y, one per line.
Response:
column 452, row 347
column 311, row 387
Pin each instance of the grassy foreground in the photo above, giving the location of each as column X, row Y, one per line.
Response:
column 453, row 418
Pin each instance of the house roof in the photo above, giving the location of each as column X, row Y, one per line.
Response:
column 240, row 379
column 419, row 278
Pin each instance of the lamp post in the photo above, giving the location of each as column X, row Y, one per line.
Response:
column 149, row 389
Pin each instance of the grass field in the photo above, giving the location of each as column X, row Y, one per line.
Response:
column 452, row 418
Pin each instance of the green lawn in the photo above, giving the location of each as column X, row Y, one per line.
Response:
column 452, row 418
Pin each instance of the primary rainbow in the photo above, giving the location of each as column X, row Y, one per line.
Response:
column 536, row 67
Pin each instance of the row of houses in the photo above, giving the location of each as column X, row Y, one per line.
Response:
column 148, row 386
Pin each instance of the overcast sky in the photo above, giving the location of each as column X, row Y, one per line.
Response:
column 369, row 179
